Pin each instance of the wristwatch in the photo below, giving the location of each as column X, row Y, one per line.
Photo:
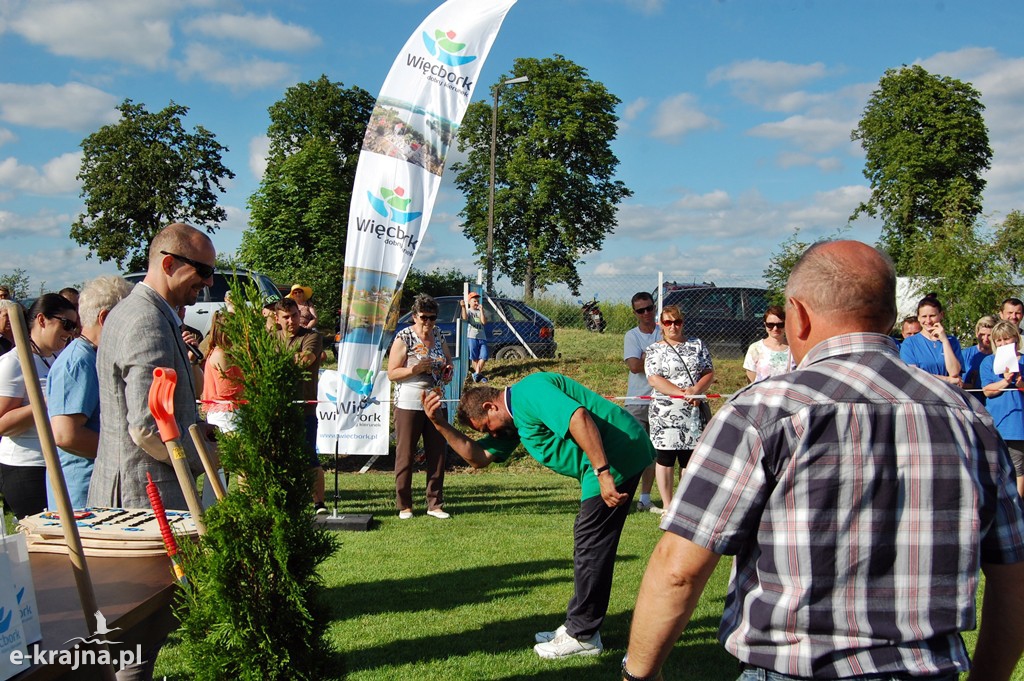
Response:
column 633, row 677
column 602, row 469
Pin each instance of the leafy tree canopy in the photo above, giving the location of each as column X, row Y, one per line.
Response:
column 927, row 146
column 140, row 174
column 555, row 199
column 299, row 215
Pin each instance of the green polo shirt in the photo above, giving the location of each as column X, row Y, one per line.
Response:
column 542, row 404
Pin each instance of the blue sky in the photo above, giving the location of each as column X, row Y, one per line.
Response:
column 735, row 114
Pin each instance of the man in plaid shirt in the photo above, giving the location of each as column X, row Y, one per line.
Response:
column 860, row 497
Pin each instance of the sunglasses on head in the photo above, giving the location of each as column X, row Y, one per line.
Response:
column 671, row 322
column 66, row 324
column 202, row 269
column 775, row 325
column 428, row 317
column 643, row 310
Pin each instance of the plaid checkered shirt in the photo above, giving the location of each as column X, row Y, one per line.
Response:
column 859, row 497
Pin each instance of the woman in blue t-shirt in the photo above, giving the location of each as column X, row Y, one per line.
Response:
column 1005, row 402
column 933, row 349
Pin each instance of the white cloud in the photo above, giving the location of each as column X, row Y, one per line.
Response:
column 130, row 32
column 236, row 74
column 816, row 135
column 634, row 109
column 678, row 116
column 266, row 32
column 42, row 224
column 259, row 149
column 58, row 175
column 6, row 135
column 769, row 85
column 72, row 106
column 648, row 7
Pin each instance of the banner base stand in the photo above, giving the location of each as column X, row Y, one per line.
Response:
column 347, row 522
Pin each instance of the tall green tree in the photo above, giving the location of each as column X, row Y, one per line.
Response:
column 927, row 146
column 299, row 215
column 142, row 173
column 555, row 199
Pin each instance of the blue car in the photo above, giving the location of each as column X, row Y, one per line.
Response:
column 534, row 328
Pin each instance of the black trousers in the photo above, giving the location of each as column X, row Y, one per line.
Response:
column 24, row 489
column 596, row 540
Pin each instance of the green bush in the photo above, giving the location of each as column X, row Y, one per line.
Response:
column 254, row 606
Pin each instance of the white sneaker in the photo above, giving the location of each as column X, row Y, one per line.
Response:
column 545, row 636
column 565, row 645
column 405, row 515
column 439, row 514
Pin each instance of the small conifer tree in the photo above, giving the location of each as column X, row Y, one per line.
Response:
column 254, row 607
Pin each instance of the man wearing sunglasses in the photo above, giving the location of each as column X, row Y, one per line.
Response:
column 142, row 333
column 634, row 345
column 859, row 496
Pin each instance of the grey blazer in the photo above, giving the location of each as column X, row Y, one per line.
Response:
column 140, row 333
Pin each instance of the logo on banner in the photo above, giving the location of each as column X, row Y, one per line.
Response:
column 444, row 48
column 393, row 205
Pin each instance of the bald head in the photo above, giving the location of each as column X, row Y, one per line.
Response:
column 848, row 284
column 177, row 237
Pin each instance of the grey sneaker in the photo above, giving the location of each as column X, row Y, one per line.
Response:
column 648, row 507
column 565, row 645
column 545, row 636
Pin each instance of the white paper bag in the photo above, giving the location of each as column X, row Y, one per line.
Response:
column 16, row 549
column 12, row 634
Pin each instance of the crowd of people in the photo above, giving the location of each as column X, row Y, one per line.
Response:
column 94, row 354
column 860, row 496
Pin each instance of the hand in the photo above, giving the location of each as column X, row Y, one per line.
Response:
column 424, row 366
column 433, row 405
column 936, row 332
column 611, row 496
column 149, row 440
column 189, row 337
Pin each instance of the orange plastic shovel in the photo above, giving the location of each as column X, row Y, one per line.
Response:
column 161, row 404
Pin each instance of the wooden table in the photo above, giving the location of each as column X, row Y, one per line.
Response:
column 134, row 594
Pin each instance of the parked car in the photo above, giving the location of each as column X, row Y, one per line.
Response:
column 726, row 318
column 212, row 297
column 534, row 328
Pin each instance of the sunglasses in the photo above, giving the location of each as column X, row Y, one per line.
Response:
column 671, row 322
column 775, row 325
column 66, row 324
column 202, row 269
column 643, row 310
column 428, row 317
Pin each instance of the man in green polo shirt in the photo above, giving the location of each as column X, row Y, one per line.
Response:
column 575, row 432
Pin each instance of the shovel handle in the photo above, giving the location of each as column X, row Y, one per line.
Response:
column 161, row 404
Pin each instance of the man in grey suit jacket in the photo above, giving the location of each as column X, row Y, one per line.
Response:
column 140, row 334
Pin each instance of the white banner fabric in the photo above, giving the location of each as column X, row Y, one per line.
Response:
column 414, row 123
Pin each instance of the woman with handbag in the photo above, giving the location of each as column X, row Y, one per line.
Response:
column 676, row 365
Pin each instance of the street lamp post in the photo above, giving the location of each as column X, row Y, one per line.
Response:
column 490, row 201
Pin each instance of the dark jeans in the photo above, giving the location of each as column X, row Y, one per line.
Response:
column 409, row 425
column 24, row 489
column 596, row 540
column 758, row 674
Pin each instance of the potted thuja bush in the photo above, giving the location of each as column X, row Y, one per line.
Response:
column 254, row 605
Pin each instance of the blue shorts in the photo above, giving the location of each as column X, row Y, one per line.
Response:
column 478, row 349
